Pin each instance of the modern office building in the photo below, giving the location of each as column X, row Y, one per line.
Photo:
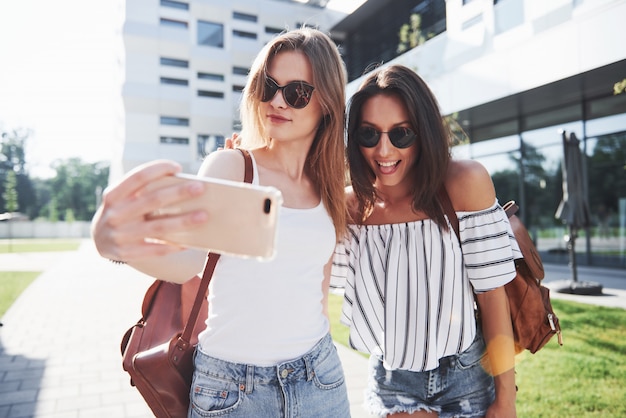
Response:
column 185, row 65
column 514, row 74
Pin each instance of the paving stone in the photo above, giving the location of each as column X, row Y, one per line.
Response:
column 24, row 374
column 4, row 411
column 73, row 403
column 18, row 397
column 24, row 410
column 11, row 386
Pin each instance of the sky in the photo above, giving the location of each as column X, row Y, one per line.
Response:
column 57, row 67
column 58, row 77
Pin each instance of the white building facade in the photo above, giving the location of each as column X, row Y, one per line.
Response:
column 186, row 63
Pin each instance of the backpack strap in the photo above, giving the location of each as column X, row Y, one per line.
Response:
column 531, row 257
column 448, row 209
column 248, row 173
column 209, row 267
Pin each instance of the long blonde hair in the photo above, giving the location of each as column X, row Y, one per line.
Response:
column 326, row 161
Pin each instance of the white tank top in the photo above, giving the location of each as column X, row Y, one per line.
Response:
column 266, row 312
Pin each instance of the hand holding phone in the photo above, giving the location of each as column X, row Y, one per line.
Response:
column 243, row 218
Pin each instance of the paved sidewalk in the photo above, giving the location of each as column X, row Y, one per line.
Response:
column 613, row 283
column 59, row 346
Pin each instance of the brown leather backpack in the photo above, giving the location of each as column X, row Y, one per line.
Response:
column 533, row 319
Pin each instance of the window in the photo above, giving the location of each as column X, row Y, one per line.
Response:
column 174, row 81
column 240, row 71
column 173, row 62
column 211, row 76
column 175, row 4
column 212, row 94
column 244, row 16
column 174, row 121
column 173, row 23
column 507, row 15
column 273, row 31
column 174, row 140
column 238, row 88
column 210, row 34
column 243, row 34
column 209, row 143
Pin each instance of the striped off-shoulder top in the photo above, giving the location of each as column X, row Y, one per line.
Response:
column 409, row 287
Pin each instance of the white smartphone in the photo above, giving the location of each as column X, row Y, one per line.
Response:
column 243, row 218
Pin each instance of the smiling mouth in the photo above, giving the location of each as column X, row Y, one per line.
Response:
column 388, row 163
column 387, row 167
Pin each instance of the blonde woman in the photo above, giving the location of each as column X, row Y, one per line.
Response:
column 266, row 350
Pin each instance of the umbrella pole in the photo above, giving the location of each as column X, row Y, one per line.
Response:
column 573, row 286
column 571, row 246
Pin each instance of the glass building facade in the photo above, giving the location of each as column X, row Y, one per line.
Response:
column 523, row 151
column 515, row 76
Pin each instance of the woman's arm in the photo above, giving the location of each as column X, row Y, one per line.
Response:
column 120, row 226
column 498, row 333
column 122, row 223
column 326, row 288
column 471, row 189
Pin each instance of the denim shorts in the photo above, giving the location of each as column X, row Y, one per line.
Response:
column 310, row 386
column 459, row 387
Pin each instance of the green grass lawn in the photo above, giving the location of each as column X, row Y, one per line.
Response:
column 12, row 284
column 586, row 377
column 38, row 245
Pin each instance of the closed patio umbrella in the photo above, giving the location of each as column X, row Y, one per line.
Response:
column 574, row 209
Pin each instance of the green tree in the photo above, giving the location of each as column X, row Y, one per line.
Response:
column 410, row 34
column 10, row 193
column 13, row 160
column 12, row 150
column 74, row 188
column 10, row 201
column 457, row 133
column 540, row 197
column 607, row 173
column 51, row 211
column 69, row 195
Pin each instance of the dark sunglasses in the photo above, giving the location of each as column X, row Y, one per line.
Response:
column 297, row 94
column 400, row 137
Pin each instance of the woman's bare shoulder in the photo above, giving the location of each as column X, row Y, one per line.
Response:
column 469, row 185
column 225, row 164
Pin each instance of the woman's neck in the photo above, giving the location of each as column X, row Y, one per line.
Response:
column 393, row 196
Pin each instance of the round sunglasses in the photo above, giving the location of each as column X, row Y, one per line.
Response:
column 400, row 137
column 297, row 94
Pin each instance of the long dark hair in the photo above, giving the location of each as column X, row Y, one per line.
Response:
column 433, row 139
